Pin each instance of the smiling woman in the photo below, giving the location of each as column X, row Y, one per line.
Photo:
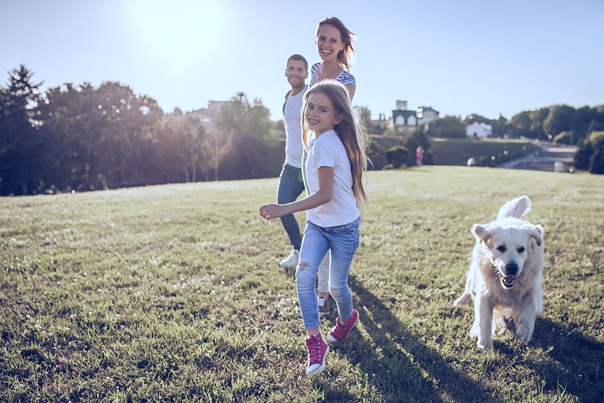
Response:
column 178, row 32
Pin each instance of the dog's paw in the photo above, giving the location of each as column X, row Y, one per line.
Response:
column 465, row 297
column 524, row 331
column 485, row 345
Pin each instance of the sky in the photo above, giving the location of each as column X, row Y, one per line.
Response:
column 459, row 57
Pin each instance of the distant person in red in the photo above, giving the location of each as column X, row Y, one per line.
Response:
column 419, row 156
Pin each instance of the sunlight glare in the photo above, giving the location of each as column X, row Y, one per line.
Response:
column 180, row 32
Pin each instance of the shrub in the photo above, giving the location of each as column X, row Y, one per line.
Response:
column 583, row 156
column 377, row 155
column 591, row 153
column 415, row 140
column 450, row 127
column 397, row 156
column 596, row 163
column 564, row 138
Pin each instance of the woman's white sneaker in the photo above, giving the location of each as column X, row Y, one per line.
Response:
column 292, row 260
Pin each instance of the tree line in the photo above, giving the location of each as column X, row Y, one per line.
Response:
column 558, row 123
column 561, row 124
column 80, row 138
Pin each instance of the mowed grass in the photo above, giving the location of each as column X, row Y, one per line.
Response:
column 175, row 293
column 458, row 151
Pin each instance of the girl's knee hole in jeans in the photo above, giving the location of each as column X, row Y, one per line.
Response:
column 337, row 292
column 303, row 265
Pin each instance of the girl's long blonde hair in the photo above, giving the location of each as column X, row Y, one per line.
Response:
column 350, row 132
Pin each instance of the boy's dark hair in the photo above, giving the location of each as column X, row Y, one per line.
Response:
column 299, row 58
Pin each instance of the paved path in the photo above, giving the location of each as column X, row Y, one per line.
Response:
column 544, row 159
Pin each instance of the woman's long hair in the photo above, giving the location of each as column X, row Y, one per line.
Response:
column 350, row 132
column 346, row 55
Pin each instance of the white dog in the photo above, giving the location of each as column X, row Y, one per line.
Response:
column 504, row 278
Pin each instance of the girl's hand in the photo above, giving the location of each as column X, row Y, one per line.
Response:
column 270, row 211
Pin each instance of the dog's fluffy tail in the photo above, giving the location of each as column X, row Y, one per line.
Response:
column 515, row 208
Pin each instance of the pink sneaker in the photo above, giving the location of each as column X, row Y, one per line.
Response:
column 339, row 331
column 317, row 354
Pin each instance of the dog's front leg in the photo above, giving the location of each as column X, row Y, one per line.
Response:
column 525, row 325
column 483, row 322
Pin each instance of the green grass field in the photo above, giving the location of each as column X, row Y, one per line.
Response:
column 458, row 151
column 448, row 151
column 175, row 293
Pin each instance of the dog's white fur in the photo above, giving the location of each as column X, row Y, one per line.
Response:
column 508, row 251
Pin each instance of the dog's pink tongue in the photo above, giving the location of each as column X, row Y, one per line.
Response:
column 509, row 279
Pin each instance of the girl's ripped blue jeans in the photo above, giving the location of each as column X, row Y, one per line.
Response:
column 343, row 241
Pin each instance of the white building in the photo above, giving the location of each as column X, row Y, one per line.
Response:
column 479, row 130
column 426, row 115
column 405, row 118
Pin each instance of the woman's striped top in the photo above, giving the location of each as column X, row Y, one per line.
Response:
column 344, row 77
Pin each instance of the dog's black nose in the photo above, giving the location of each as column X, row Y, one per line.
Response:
column 511, row 269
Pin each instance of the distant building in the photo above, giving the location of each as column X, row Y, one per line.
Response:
column 427, row 116
column 209, row 114
column 404, row 119
column 479, row 130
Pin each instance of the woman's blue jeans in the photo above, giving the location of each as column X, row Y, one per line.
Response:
column 342, row 241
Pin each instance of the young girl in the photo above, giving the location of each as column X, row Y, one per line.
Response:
column 334, row 170
column 334, row 45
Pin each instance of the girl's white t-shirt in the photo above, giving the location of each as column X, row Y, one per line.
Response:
column 328, row 151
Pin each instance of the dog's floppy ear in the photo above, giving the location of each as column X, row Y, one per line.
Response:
column 536, row 232
column 482, row 233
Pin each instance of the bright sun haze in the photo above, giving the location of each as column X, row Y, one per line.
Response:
column 479, row 57
column 182, row 32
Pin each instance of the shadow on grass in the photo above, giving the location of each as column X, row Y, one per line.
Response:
column 576, row 365
column 402, row 367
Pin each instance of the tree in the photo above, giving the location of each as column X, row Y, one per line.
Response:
column 247, row 119
column 583, row 156
column 558, row 119
column 245, row 127
column 537, row 118
column 580, row 122
column 221, row 142
column 596, row 162
column 565, row 137
column 22, row 147
column 500, row 126
column 184, row 148
column 590, row 155
column 411, row 142
column 450, row 127
column 520, row 124
column 101, row 137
